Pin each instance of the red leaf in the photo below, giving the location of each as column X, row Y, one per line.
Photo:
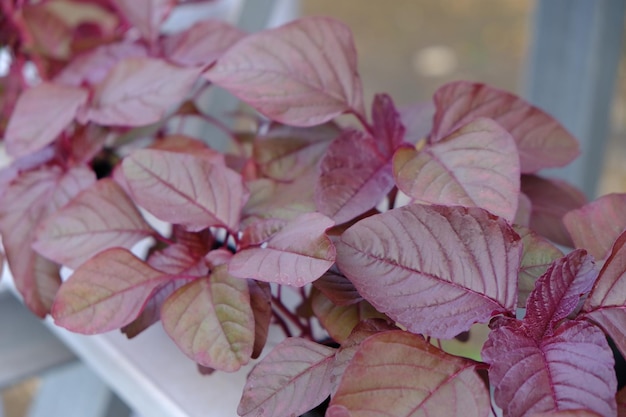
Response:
column 355, row 176
column 334, row 285
column 27, row 201
column 621, row 403
column 202, row 44
column 569, row 370
column 297, row 255
column 476, row 166
column 99, row 218
column 558, row 291
column 92, row 67
column 54, row 107
column 139, row 91
column 302, row 74
column 568, row 413
column 399, row 374
column 211, row 321
column 194, row 191
column 292, row 379
column 596, row 225
column 435, row 270
column 606, row 304
column 106, row 292
column 146, row 15
column 542, row 141
column 551, row 199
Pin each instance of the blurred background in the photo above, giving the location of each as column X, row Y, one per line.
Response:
column 409, row 48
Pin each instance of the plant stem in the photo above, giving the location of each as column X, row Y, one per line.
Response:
column 363, row 122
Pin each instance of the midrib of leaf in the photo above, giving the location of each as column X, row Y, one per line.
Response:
column 428, row 275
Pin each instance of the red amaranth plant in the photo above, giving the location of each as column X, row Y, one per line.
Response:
column 301, row 200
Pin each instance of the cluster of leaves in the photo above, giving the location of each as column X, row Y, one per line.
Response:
column 304, row 202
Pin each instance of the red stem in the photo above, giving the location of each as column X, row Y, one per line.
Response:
column 363, row 122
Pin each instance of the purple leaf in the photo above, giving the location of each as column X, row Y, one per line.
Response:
column 41, row 114
column 211, row 321
column 537, row 256
column 292, row 379
column 399, row 374
column 194, row 191
column 139, row 91
column 418, row 120
column 202, row 44
column 606, row 304
column 569, row 370
column 297, row 255
column 568, row 413
column 339, row 321
column 99, row 218
column 286, row 153
column 302, row 74
column 27, row 201
column 551, row 199
column 92, row 67
column 145, row 15
column 596, row 225
column 542, row 141
column 388, row 129
column 475, row 166
column 435, row 270
column 334, row 285
column 355, row 176
column 260, row 232
column 46, row 32
column 106, row 292
column 557, row 292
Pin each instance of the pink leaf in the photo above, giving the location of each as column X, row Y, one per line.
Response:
column 27, row 201
column 436, row 270
column 297, row 255
column 146, row 15
column 261, row 303
column 40, row 115
column 139, row 91
column 568, row 413
column 99, row 218
column 302, row 74
column 558, row 291
column 355, row 176
column 569, row 370
column 596, row 225
column 551, row 199
column 193, row 191
column 92, row 67
column 292, row 379
column 621, row 403
column 202, row 44
column 477, row 165
column 286, row 153
column 399, row 374
column 260, row 232
column 211, row 321
column 606, row 304
column 49, row 34
column 106, row 292
column 542, row 141
column 537, row 257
